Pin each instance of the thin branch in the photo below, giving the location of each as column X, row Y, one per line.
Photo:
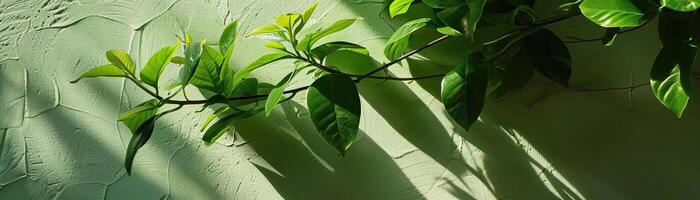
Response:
column 144, row 88
column 409, row 54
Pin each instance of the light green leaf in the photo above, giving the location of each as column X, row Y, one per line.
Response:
column 227, row 42
column 262, row 61
column 265, row 30
column 334, row 107
column 141, row 136
column 449, row 31
column 157, row 64
column 549, row 55
column 288, row 20
column 681, row 5
column 275, row 45
column 133, row 120
column 671, row 76
column 220, row 111
column 277, row 93
column 102, row 71
column 307, row 43
column 193, row 53
column 464, row 89
column 121, row 59
column 306, row 15
column 398, row 42
column 399, row 7
column 228, row 37
column 618, row 13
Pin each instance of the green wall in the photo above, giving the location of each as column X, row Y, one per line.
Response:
column 61, row 140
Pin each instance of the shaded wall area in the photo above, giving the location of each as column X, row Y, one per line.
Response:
column 61, row 140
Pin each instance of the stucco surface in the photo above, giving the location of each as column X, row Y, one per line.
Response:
column 61, row 140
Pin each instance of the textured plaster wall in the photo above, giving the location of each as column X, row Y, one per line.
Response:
column 61, row 141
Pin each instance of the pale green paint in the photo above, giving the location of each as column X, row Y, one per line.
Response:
column 63, row 141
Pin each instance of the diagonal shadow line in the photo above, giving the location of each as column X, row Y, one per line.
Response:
column 300, row 165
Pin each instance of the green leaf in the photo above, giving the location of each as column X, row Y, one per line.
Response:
column 307, row 43
column 278, row 92
column 398, row 42
column 549, row 55
column 157, row 64
column 178, row 60
column 463, row 17
column 262, row 61
column 212, row 55
column 130, row 114
column 247, row 87
column 193, row 53
column 133, row 118
column 102, row 71
column 141, row 136
column 228, row 37
column 306, row 16
column 220, row 111
column 464, row 89
column 324, row 50
column 499, row 46
column 266, row 30
column 206, row 75
column 681, row 5
column 121, row 59
column 220, row 127
column 671, row 76
column 334, row 107
column 288, row 20
column 518, row 72
column 675, row 28
column 610, row 35
column 275, row 45
column 227, row 42
column 522, row 14
column 441, row 4
column 618, row 13
column 449, row 31
column 399, row 7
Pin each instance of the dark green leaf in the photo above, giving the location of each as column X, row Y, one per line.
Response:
column 465, row 17
column 671, row 76
column 102, row 71
column 121, row 59
column 675, row 28
column 141, row 136
column 518, row 71
column 334, row 107
column 610, row 35
column 398, row 42
column 308, row 42
column 157, row 64
column 248, row 87
column 521, row 15
column 464, row 89
column 618, row 13
column 206, row 75
column 549, row 55
column 441, row 4
column 499, row 46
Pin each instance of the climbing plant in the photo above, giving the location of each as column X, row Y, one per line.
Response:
column 495, row 70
